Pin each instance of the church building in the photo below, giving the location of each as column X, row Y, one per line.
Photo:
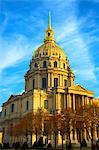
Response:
column 49, row 85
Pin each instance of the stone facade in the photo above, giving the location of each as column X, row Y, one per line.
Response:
column 50, row 79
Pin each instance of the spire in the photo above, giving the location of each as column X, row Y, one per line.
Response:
column 49, row 35
column 49, row 20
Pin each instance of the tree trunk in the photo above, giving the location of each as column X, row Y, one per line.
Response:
column 26, row 136
column 62, row 141
column 47, row 139
column 36, row 136
column 55, row 140
column 31, row 138
column 92, row 136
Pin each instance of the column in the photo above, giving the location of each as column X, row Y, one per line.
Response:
column 87, row 100
column 49, row 78
column 59, row 102
column 62, row 80
column 68, row 101
column 56, row 101
column 59, row 79
column 77, row 101
column 64, row 100
column 82, row 100
column 38, row 84
column 74, row 103
column 52, row 80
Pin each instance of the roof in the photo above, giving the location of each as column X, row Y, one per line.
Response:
column 79, row 89
column 50, row 49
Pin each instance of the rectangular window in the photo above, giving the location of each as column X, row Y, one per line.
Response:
column 46, row 104
column 27, row 105
column 33, row 83
column 12, row 108
column 3, row 132
column 65, row 83
column 44, row 83
column 5, row 112
column 55, row 82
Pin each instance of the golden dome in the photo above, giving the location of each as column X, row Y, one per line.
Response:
column 49, row 48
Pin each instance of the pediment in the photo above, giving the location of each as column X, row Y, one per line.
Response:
column 80, row 88
column 12, row 96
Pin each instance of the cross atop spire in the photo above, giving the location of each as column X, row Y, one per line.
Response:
column 49, row 20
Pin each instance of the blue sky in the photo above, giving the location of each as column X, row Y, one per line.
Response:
column 22, row 30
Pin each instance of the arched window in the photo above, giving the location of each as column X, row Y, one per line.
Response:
column 64, row 66
column 48, row 34
column 36, row 65
column 55, row 64
column 55, row 82
column 44, row 64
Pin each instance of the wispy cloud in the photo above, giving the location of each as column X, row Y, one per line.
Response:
column 12, row 51
column 76, row 44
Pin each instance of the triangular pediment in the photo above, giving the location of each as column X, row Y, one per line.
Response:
column 12, row 96
column 80, row 88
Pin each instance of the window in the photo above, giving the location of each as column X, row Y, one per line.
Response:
column 46, row 104
column 48, row 34
column 12, row 108
column 5, row 112
column 65, row 82
column 44, row 64
column 44, row 83
column 3, row 132
column 64, row 66
column 27, row 105
column 55, row 64
column 33, row 83
column 36, row 65
column 55, row 82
